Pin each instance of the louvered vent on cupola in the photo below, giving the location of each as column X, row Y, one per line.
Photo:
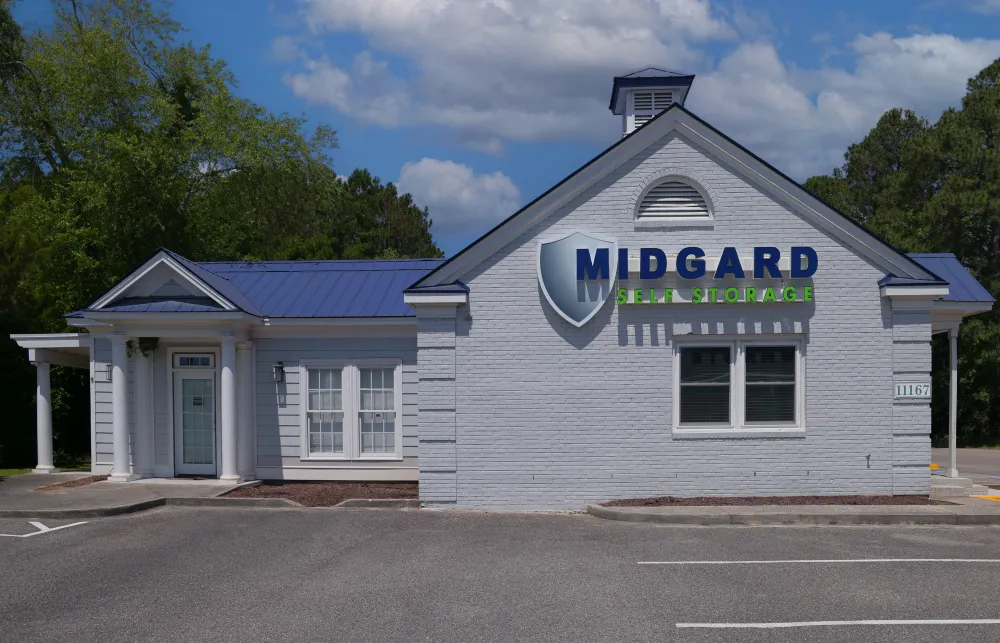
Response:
column 646, row 105
column 673, row 199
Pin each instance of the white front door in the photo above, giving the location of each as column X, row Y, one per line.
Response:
column 194, row 423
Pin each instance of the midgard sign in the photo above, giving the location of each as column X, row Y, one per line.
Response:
column 577, row 274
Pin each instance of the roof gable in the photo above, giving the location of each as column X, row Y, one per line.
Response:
column 166, row 276
column 697, row 132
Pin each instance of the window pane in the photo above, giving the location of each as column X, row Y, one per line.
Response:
column 771, row 403
column 313, row 378
column 770, row 363
column 705, row 364
column 326, row 432
column 704, row 404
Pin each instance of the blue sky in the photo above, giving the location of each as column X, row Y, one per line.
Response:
column 478, row 106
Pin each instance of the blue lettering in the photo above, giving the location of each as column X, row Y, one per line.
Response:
column 623, row 263
column 729, row 264
column 766, row 257
column 598, row 268
column 798, row 253
column 697, row 269
column 646, row 269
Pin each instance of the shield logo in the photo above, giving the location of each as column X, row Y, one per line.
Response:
column 576, row 300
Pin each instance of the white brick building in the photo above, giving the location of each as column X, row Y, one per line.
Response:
column 522, row 374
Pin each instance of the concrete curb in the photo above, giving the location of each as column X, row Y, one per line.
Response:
column 213, row 501
column 95, row 512
column 776, row 515
column 380, row 503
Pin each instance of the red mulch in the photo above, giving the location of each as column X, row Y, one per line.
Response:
column 327, row 494
column 704, row 501
column 69, row 484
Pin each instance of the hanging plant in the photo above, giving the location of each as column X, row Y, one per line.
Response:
column 146, row 346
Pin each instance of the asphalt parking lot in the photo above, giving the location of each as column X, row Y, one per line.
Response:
column 187, row 574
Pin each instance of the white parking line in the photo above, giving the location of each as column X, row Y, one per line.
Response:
column 819, row 561
column 769, row 626
column 42, row 529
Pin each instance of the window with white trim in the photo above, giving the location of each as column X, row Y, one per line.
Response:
column 745, row 385
column 194, row 360
column 770, row 385
column 325, row 411
column 352, row 410
column 378, row 417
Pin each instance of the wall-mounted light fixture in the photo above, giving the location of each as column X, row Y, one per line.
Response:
column 279, row 372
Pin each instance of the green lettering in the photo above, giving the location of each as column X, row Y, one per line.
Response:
column 752, row 295
column 789, row 290
column 652, row 296
column 668, row 295
column 622, row 296
column 732, row 295
column 637, row 296
column 807, row 293
column 696, row 295
column 711, row 294
column 769, row 295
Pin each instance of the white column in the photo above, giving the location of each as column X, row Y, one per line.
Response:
column 228, row 385
column 953, row 404
column 143, row 459
column 244, row 364
column 44, row 421
column 119, row 410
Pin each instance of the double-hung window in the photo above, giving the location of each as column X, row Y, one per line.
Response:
column 351, row 410
column 743, row 386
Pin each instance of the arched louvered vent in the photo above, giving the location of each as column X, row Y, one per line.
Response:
column 673, row 199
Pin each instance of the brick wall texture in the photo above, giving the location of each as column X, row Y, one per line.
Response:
column 521, row 410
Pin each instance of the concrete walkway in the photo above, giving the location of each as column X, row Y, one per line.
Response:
column 20, row 495
column 981, row 465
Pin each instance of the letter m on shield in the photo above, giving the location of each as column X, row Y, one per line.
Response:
column 576, row 273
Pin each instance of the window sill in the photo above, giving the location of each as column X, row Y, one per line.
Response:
column 700, row 223
column 737, row 434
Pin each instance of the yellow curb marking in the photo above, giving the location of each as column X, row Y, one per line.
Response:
column 994, row 498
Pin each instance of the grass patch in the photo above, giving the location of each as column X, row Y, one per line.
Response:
column 5, row 473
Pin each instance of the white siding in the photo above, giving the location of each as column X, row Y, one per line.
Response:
column 279, row 432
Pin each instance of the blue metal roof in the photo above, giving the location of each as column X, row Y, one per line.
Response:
column 371, row 288
column 150, row 305
column 648, row 77
column 962, row 285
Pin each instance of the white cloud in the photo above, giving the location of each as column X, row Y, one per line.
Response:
column 513, row 69
column 459, row 200
column 491, row 71
column 803, row 120
column 985, row 6
column 369, row 92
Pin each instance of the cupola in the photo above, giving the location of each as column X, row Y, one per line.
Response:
column 641, row 95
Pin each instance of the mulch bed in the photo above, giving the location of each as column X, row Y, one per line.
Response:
column 69, row 484
column 746, row 501
column 327, row 494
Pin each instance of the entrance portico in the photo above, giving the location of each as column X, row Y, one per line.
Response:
column 131, row 385
column 63, row 349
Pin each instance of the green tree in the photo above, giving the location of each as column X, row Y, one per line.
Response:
column 937, row 188
column 117, row 137
column 957, row 166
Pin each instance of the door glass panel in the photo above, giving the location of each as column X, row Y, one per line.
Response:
column 198, row 421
